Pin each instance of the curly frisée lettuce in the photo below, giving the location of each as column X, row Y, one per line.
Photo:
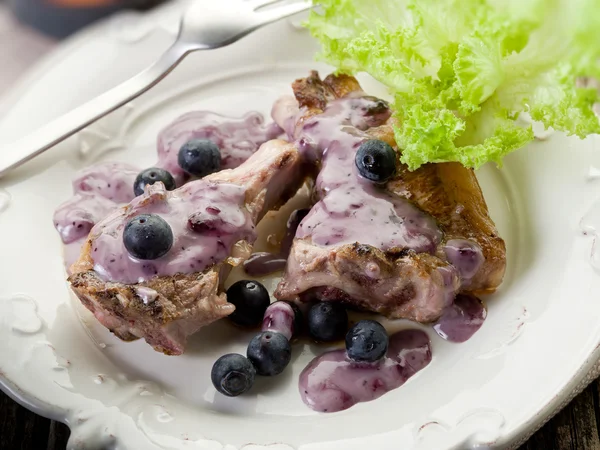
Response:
column 462, row 71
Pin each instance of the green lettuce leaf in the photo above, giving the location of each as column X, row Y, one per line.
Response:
column 463, row 71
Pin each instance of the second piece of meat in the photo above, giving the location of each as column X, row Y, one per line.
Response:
column 403, row 249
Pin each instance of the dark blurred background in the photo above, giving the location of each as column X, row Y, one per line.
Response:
column 29, row 29
column 60, row 18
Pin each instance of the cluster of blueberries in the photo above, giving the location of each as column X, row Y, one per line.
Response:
column 198, row 157
column 149, row 236
column 269, row 352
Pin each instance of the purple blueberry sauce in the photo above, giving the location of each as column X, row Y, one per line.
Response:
column 461, row 320
column 264, row 263
column 237, row 139
column 97, row 191
column 75, row 218
column 466, row 256
column 110, row 180
column 332, row 382
column 195, row 247
column 350, row 208
column 279, row 317
column 102, row 188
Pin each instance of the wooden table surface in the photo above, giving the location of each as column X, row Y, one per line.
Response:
column 577, row 427
column 574, row 428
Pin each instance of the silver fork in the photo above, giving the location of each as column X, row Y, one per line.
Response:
column 205, row 25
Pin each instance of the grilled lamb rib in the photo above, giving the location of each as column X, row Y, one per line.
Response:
column 132, row 300
column 403, row 250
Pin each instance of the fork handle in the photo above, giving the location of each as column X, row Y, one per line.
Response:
column 17, row 153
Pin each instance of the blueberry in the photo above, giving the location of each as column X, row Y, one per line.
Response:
column 376, row 161
column 298, row 318
column 199, row 157
column 270, row 352
column 327, row 321
column 367, row 341
column 147, row 236
column 251, row 300
column 232, row 374
column 151, row 176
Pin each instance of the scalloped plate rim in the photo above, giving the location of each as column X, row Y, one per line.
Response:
column 584, row 375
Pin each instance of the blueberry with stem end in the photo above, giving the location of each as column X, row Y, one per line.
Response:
column 232, row 374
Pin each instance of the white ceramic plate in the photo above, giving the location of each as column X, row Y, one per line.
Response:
column 537, row 348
